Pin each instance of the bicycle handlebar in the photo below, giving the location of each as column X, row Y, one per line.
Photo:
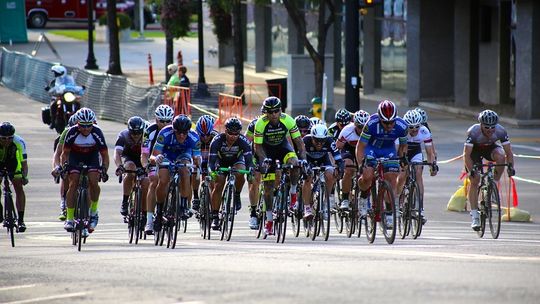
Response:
column 233, row 170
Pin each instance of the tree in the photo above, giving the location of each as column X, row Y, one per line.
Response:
column 324, row 23
column 175, row 18
column 114, row 44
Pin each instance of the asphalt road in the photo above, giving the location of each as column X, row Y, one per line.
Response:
column 448, row 264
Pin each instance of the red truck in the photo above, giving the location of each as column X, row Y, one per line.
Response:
column 39, row 12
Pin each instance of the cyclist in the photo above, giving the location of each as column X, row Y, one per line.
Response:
column 164, row 115
column 256, row 179
column 175, row 142
column 127, row 156
column 347, row 141
column 418, row 136
column 424, row 116
column 206, row 132
column 343, row 118
column 485, row 140
column 229, row 149
column 377, row 140
column 57, row 165
column 304, row 124
column 85, row 143
column 315, row 121
column 318, row 145
column 271, row 144
column 12, row 153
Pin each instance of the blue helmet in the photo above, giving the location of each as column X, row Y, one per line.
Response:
column 205, row 125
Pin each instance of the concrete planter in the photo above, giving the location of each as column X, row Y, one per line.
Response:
column 102, row 34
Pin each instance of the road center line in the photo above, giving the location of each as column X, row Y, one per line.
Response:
column 16, row 287
column 42, row 299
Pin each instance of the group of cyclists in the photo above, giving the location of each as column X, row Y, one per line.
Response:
column 352, row 143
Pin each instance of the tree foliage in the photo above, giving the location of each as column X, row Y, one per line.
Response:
column 175, row 17
column 220, row 13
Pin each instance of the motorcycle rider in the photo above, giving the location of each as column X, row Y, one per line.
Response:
column 58, row 86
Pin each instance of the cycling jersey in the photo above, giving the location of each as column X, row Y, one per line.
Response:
column 205, row 147
column 11, row 158
column 20, row 140
column 350, row 138
column 380, row 143
column 149, row 138
column 85, row 149
column 275, row 135
column 320, row 157
column 482, row 145
column 128, row 147
column 223, row 155
column 251, row 128
column 334, row 130
column 415, row 143
column 168, row 145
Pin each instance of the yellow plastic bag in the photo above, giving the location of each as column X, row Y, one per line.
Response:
column 458, row 200
column 516, row 215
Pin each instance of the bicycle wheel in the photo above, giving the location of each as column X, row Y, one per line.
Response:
column 387, row 206
column 415, row 205
column 371, row 216
column 10, row 217
column 313, row 223
column 176, row 224
column 338, row 220
column 403, row 213
column 131, row 218
column 297, row 214
column 204, row 216
column 225, row 207
column 82, row 221
column 170, row 215
column 138, row 217
column 494, row 209
column 231, row 210
column 324, row 213
column 482, row 211
column 281, row 220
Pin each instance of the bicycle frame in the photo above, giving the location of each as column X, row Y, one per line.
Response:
column 10, row 214
column 489, row 191
column 135, row 216
column 228, row 209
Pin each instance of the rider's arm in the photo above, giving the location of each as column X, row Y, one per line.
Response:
column 118, row 156
column 104, row 158
column 57, row 153
column 65, row 154
column 509, row 154
column 359, row 152
column 430, row 153
column 213, row 154
column 258, row 139
column 246, row 149
column 467, row 157
column 296, row 137
column 299, row 144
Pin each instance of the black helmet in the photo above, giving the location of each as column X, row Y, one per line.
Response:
column 343, row 116
column 488, row 118
column 181, row 123
column 7, row 129
column 271, row 103
column 233, row 124
column 136, row 124
column 303, row 122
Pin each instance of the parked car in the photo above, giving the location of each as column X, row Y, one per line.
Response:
column 39, row 12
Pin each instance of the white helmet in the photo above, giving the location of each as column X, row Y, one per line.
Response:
column 86, row 116
column 361, row 118
column 413, row 118
column 423, row 113
column 58, row 70
column 319, row 131
column 315, row 121
column 164, row 112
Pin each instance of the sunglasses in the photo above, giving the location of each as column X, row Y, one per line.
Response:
column 304, row 131
column 165, row 121
column 136, row 132
column 320, row 140
column 6, row 137
column 272, row 111
column 414, row 127
column 233, row 133
column 85, row 126
column 489, row 127
column 182, row 133
column 388, row 122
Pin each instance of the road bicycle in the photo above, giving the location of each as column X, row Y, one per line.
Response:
column 204, row 214
column 228, row 208
column 383, row 205
column 411, row 204
column 336, row 215
column 10, row 214
column 136, row 218
column 320, row 223
column 489, row 206
column 175, row 212
column 348, row 218
column 297, row 213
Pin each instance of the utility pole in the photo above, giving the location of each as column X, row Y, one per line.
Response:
column 202, row 87
column 91, row 59
column 352, row 56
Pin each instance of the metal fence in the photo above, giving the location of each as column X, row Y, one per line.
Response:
column 111, row 97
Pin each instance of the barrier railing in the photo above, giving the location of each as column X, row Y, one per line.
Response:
column 228, row 106
column 179, row 98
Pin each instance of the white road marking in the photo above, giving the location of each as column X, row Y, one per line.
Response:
column 16, row 287
column 42, row 299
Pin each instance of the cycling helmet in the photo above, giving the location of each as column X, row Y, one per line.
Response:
column 136, row 124
column 182, row 123
column 58, row 70
column 146, row 124
column 423, row 114
column 488, row 118
column 319, row 131
column 361, row 118
column 164, row 112
column 302, row 122
column 86, row 116
column 205, row 125
column 413, row 118
column 271, row 103
column 343, row 116
column 7, row 129
column 387, row 111
column 315, row 121
column 73, row 119
column 233, row 124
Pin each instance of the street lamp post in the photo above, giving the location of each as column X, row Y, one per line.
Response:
column 91, row 59
column 202, row 87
